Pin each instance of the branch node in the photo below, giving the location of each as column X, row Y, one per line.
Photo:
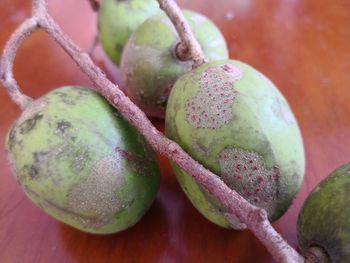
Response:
column 182, row 52
column 189, row 48
column 316, row 254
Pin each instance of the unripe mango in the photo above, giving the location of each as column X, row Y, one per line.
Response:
column 117, row 19
column 81, row 162
column 324, row 220
column 234, row 121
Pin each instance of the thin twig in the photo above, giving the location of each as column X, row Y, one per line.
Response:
column 8, row 57
column 40, row 7
column 188, row 48
column 255, row 218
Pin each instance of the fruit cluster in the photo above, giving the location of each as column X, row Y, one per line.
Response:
column 225, row 114
column 80, row 161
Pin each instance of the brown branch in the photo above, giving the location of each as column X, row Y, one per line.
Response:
column 188, row 48
column 254, row 218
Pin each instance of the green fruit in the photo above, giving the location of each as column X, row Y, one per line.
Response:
column 149, row 65
column 81, row 162
column 234, row 121
column 117, row 19
column 324, row 220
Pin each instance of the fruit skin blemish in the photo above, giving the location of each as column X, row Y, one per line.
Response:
column 149, row 62
column 78, row 160
column 235, row 122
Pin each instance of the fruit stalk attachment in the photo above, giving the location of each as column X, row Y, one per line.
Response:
column 253, row 217
column 316, row 254
column 188, row 48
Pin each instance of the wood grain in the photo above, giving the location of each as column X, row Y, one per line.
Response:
column 302, row 46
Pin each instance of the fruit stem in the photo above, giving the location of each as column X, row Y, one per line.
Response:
column 188, row 48
column 316, row 254
column 255, row 218
column 7, row 59
column 39, row 7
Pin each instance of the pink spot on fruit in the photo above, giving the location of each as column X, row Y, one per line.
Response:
column 253, row 182
column 216, row 94
column 233, row 70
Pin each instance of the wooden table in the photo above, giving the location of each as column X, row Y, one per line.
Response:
column 303, row 46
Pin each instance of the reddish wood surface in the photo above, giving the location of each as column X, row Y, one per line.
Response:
column 303, row 46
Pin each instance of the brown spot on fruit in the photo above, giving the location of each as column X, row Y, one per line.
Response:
column 96, row 195
column 33, row 109
column 40, row 159
column 235, row 72
column 29, row 124
column 12, row 138
column 252, row 183
column 34, row 171
column 212, row 106
column 65, row 98
column 136, row 162
column 62, row 125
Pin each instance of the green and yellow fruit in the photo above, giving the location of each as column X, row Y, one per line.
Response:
column 118, row 19
column 324, row 220
column 234, row 121
column 81, row 162
column 149, row 65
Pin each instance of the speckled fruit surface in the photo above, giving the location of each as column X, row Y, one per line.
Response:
column 117, row 19
column 233, row 120
column 81, row 162
column 149, row 65
column 324, row 220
